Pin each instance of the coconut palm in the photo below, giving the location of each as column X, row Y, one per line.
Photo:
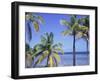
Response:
column 47, row 50
column 83, row 31
column 32, row 19
column 73, row 28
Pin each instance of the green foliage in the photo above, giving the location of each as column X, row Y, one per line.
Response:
column 65, row 23
column 46, row 49
column 74, row 26
column 27, row 47
column 78, row 31
column 38, row 49
column 56, row 56
column 35, row 20
column 73, row 20
column 84, row 29
column 42, row 57
column 41, row 20
column 66, row 32
column 36, row 26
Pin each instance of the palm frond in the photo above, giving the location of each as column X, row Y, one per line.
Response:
column 51, row 38
column 36, row 26
column 43, row 40
column 66, row 32
column 81, row 20
column 65, row 23
column 57, row 45
column 46, row 49
column 57, row 57
column 41, row 58
column 34, row 19
column 40, row 18
column 79, row 35
column 38, row 49
column 29, row 31
column 83, row 28
column 75, row 27
column 73, row 19
column 58, row 49
column 38, row 46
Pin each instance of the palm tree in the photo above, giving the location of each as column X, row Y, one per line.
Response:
column 35, row 20
column 32, row 19
column 47, row 50
column 72, row 29
column 83, row 31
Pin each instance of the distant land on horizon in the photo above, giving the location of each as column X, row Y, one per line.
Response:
column 76, row 52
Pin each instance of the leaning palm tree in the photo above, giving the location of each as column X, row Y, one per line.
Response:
column 47, row 50
column 32, row 19
column 72, row 29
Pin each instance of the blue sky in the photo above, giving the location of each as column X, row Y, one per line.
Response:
column 52, row 24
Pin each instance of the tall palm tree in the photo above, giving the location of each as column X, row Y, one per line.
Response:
column 72, row 29
column 83, row 30
column 32, row 19
column 47, row 50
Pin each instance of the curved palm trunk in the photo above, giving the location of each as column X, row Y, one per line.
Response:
column 48, row 59
column 74, row 54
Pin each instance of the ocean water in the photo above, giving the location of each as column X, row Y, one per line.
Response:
column 67, row 59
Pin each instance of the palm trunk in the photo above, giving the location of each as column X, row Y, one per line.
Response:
column 74, row 55
column 87, row 46
column 48, row 60
column 28, row 61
